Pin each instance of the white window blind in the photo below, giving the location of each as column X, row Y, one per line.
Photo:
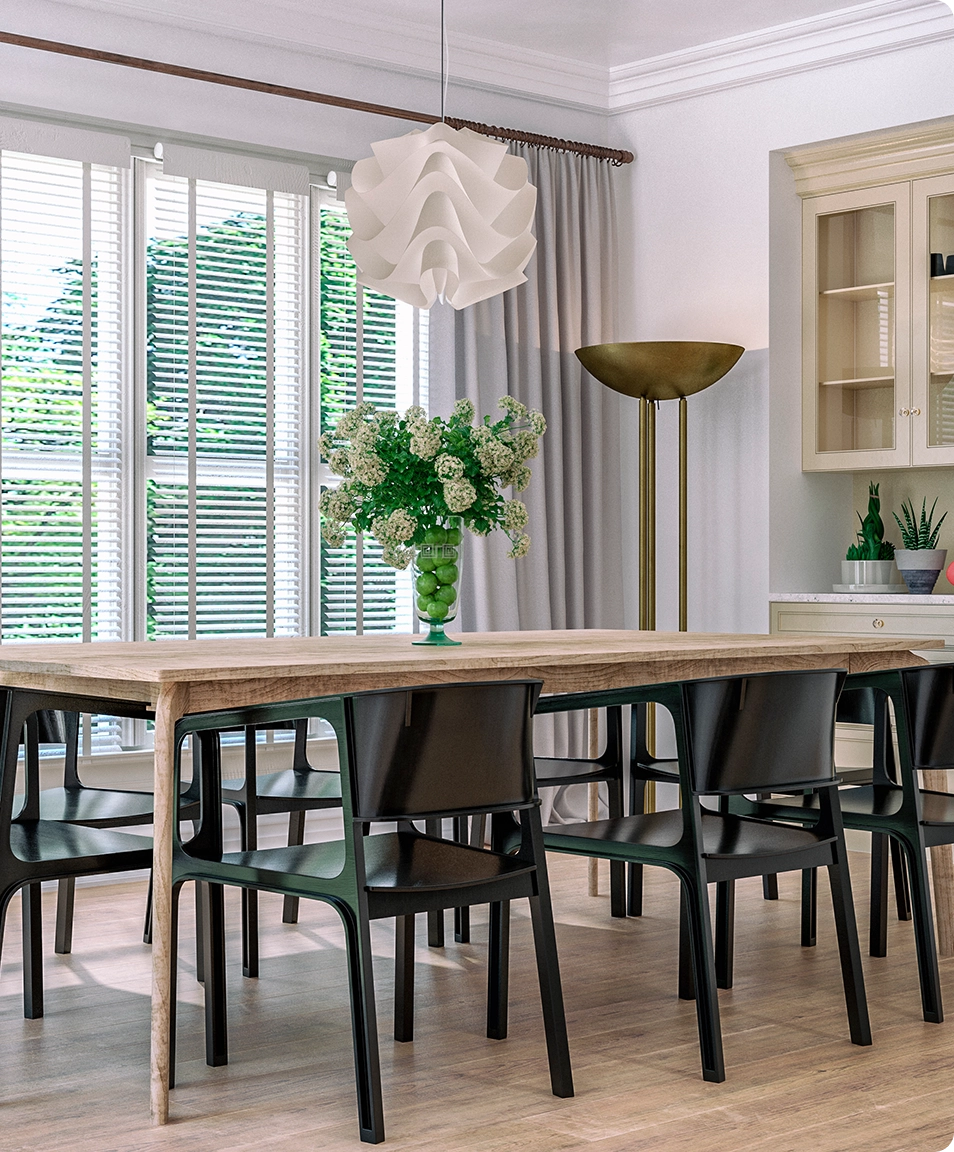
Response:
column 225, row 332
column 171, row 347
column 373, row 348
column 61, row 449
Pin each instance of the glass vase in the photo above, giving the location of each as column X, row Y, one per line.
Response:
column 436, row 575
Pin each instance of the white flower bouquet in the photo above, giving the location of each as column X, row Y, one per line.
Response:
column 406, row 479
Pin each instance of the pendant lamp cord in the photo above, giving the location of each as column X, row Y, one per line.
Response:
column 443, row 62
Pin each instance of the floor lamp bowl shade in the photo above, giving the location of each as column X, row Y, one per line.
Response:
column 659, row 369
column 445, row 213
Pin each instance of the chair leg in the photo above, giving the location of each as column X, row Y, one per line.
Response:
column 63, row 940
column 498, row 971
column 770, row 887
column 404, row 978
column 725, row 933
column 551, row 995
column 809, row 907
column 849, row 952
column 902, row 890
column 367, row 1065
column 32, row 912
column 687, row 984
column 878, row 897
column 296, row 836
column 435, row 920
column 248, row 829
column 634, row 890
column 634, row 872
column 617, row 870
column 147, row 919
column 695, row 900
column 213, row 949
column 199, row 932
column 461, row 915
column 923, row 916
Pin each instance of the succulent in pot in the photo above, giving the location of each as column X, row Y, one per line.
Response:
column 870, row 560
column 920, row 560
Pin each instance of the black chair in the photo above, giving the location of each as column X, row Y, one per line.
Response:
column 771, row 732
column 414, row 754
column 34, row 846
column 607, row 768
column 914, row 818
column 92, row 807
column 296, row 790
column 855, row 706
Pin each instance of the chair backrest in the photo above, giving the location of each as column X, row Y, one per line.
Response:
column 928, row 694
column 420, row 752
column 761, row 733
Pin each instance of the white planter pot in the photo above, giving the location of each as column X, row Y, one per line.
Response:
column 920, row 567
column 867, row 572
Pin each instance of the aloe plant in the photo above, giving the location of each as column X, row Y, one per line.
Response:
column 917, row 532
column 871, row 543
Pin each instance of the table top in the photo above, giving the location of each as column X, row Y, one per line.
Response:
column 231, row 672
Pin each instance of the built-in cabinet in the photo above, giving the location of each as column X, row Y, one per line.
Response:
column 878, row 305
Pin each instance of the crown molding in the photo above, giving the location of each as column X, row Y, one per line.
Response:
column 288, row 33
column 909, row 153
column 352, row 37
column 852, row 33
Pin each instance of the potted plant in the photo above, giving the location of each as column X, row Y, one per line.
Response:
column 920, row 560
column 870, row 561
column 415, row 483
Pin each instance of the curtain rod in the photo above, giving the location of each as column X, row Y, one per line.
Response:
column 615, row 156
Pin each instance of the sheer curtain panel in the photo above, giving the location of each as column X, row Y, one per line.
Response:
column 522, row 343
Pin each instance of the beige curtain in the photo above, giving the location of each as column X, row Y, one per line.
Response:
column 522, row 343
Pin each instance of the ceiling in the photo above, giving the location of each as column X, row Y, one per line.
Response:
column 587, row 34
column 606, row 33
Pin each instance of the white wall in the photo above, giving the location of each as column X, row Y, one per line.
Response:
column 703, row 269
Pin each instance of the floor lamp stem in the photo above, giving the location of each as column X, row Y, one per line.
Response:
column 683, row 518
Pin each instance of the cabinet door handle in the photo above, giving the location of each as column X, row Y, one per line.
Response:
column 876, row 623
column 915, row 411
column 904, row 411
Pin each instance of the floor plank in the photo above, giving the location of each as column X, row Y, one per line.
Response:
column 78, row 1078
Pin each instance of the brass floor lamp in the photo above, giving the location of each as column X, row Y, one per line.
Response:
column 653, row 371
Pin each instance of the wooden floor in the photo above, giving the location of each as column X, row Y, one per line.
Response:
column 77, row 1079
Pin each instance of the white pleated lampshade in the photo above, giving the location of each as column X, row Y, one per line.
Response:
column 444, row 214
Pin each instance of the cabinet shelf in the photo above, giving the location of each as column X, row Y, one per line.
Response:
column 942, row 283
column 861, row 291
column 859, row 382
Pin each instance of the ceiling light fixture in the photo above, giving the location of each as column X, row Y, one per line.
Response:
column 442, row 214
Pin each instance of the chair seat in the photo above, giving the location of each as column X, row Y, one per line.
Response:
column 102, row 807
column 551, row 770
column 80, row 848
column 722, row 835
column 936, row 807
column 394, row 862
column 290, row 786
column 659, row 770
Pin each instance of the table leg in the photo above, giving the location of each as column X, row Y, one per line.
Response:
column 169, row 708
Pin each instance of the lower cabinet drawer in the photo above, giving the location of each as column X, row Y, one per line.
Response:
column 864, row 620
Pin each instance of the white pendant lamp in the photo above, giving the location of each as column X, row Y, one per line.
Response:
column 444, row 213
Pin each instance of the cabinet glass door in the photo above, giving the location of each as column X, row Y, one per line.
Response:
column 855, row 334
column 940, row 334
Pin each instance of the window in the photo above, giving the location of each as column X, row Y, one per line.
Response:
column 171, row 347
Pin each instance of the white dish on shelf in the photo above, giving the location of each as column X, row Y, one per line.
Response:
column 872, row 589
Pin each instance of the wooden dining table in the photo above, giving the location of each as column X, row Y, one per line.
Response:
column 176, row 678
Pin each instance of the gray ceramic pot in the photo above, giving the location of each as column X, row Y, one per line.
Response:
column 920, row 567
